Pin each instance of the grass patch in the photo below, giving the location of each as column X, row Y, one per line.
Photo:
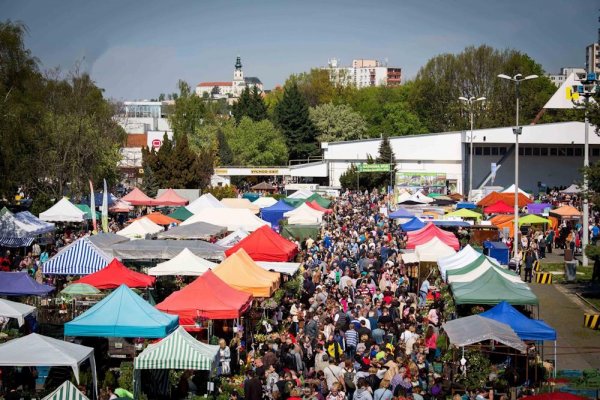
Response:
column 560, row 267
column 595, row 302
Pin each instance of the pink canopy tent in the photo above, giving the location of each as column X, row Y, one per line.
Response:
column 170, row 198
column 427, row 233
column 138, row 198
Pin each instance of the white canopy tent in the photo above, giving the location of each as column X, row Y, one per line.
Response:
column 12, row 309
column 480, row 270
column 66, row 391
column 232, row 218
column 207, row 200
column 304, row 215
column 457, row 260
column 35, row 350
column 263, row 202
column 301, row 194
column 233, row 238
column 140, row 228
column 286, row 268
column 185, row 263
column 432, row 250
column 240, row 203
column 63, row 211
column 511, row 189
column 573, row 189
column 475, row 328
column 410, row 258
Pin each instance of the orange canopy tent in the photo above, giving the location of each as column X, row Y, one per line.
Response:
column 170, row 198
column 160, row 219
column 138, row 198
column 500, row 219
column 241, row 272
column 116, row 274
column 566, row 212
column 507, row 198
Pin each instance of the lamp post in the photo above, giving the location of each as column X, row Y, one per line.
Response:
column 471, row 102
column 517, row 79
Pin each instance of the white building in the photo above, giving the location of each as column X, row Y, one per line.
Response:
column 592, row 58
column 226, row 89
column 559, row 78
column 364, row 73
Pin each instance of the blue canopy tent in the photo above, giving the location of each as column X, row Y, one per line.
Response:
column 112, row 199
column 465, row 204
column 275, row 213
column 497, row 250
column 412, row 225
column 122, row 314
column 31, row 220
column 450, row 223
column 21, row 284
column 82, row 257
column 401, row 213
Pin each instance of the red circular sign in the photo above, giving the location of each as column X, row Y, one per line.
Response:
column 156, row 143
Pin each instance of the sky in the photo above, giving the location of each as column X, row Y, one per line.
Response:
column 140, row 48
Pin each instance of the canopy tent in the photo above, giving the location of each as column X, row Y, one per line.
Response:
column 464, row 213
column 206, row 297
column 465, row 204
column 511, row 189
column 475, row 329
column 82, row 257
column 19, row 232
column 122, row 313
column 414, row 224
column 497, row 250
column 434, row 195
column 240, row 203
column 491, row 288
column 566, row 212
column 537, row 208
column 138, row 198
column 181, row 214
column 66, row 391
column 195, row 231
column 316, row 206
column 449, row 223
column 525, row 328
column 207, row 200
column 233, row 238
column 185, row 263
column 264, row 186
column 432, row 250
column 301, row 232
column 105, row 241
column 304, row 215
column 401, row 213
column 36, row 350
column 179, row 350
column 429, row 231
column 555, row 396
column 286, row 268
column 80, row 289
column 301, row 194
column 264, row 202
column 507, row 198
column 18, row 311
column 34, row 225
column 499, row 207
column 465, row 256
column 478, row 267
column 294, row 202
column 573, row 189
column 120, row 206
column 63, row 211
column 265, row 245
column 241, row 272
column 140, row 229
column 402, row 197
column 320, row 200
column 159, row 219
column 500, row 219
column 88, row 211
column 532, row 219
column 166, row 249
column 116, row 274
column 410, row 258
column 170, row 198
column 232, row 218
column 21, row 284
column 417, row 198
column 274, row 213
column 252, row 197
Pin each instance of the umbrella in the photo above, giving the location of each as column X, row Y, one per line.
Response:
column 80, row 289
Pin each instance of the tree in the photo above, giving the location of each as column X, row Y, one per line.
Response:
column 398, row 120
column 337, row 122
column 386, row 156
column 225, row 154
column 189, row 112
column 250, row 104
column 215, row 91
column 293, row 118
column 161, row 97
column 317, row 87
column 255, row 143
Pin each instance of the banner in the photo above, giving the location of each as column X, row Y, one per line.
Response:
column 420, row 179
column 105, row 208
column 373, row 167
column 93, row 206
column 493, row 169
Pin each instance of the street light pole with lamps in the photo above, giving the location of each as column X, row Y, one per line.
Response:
column 517, row 79
column 471, row 102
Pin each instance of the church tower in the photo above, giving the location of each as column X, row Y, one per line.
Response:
column 238, row 74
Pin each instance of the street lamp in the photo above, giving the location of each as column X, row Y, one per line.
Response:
column 471, row 102
column 517, row 79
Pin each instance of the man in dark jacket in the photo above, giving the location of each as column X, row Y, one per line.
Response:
column 312, row 326
column 252, row 387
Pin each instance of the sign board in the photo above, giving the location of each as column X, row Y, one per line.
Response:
column 155, row 139
column 420, row 179
column 373, row 167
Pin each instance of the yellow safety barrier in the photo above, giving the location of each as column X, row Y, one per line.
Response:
column 591, row 321
column 537, row 266
column 544, row 278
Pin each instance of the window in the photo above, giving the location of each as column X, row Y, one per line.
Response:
column 553, row 151
column 543, row 151
column 486, row 151
column 527, row 151
column 578, row 152
column 570, row 152
column 521, row 152
column 596, row 152
column 562, row 152
column 478, row 151
column 502, row 151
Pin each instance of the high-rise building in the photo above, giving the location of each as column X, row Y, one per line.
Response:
column 592, row 58
column 364, row 73
column 564, row 73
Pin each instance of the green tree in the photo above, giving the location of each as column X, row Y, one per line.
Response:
column 225, row 154
column 293, row 118
column 255, row 143
column 250, row 104
column 398, row 120
column 317, row 87
column 386, row 156
column 337, row 122
column 189, row 112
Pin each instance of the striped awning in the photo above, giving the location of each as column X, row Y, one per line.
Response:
column 179, row 350
column 16, row 241
column 81, row 257
column 66, row 391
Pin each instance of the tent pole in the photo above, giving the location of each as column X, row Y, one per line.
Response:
column 94, row 375
column 555, row 359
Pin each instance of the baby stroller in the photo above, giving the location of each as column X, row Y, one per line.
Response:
column 515, row 265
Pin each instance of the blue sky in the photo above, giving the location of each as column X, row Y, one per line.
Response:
column 138, row 49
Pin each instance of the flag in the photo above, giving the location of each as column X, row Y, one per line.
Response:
column 93, row 206
column 567, row 95
column 105, row 208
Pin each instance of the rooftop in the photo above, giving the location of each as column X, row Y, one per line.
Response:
column 211, row 84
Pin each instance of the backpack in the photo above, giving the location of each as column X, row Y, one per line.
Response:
column 349, row 380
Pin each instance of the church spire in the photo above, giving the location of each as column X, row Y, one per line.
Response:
column 238, row 63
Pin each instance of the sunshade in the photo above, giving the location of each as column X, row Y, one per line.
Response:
column 122, row 313
column 300, row 232
column 208, row 297
column 474, row 270
column 82, row 257
column 12, row 309
column 34, row 224
column 465, row 256
column 274, row 213
column 432, row 250
column 286, row 268
column 322, row 201
column 475, row 329
column 507, row 198
column 138, row 198
column 401, row 213
column 116, row 274
column 21, row 284
column 414, row 224
column 232, row 218
column 241, row 272
column 233, row 238
column 316, row 206
column 301, row 194
column 196, row 231
column 166, row 249
column 264, row 202
column 464, row 213
column 304, row 215
column 499, row 207
column 185, row 263
column 265, row 245
column 566, row 211
column 140, row 229
column 66, row 391
column 159, row 219
column 121, row 206
column 537, row 208
column 511, row 189
column 105, row 241
column 207, row 200
column 492, row 288
column 181, row 214
column 80, row 289
column 16, row 233
column 525, row 328
column 573, row 189
column 63, row 211
column 88, row 211
column 532, row 219
column 170, row 198
column 240, row 203
column 263, row 186
column 465, row 204
column 429, row 231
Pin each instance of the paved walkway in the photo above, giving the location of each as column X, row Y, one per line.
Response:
column 564, row 312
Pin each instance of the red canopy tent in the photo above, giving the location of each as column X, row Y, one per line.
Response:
column 138, row 198
column 427, row 233
column 554, row 396
column 207, row 297
column 316, row 206
column 170, row 198
column 499, row 207
column 116, row 274
column 265, row 245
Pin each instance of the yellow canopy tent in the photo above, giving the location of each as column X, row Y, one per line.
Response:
column 241, row 272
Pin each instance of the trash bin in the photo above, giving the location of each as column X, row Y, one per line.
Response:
column 568, row 255
column 571, row 271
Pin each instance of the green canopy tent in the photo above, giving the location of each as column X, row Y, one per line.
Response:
column 300, row 232
column 80, row 289
column 294, row 202
column 181, row 213
column 490, row 289
column 322, row 201
column 473, row 265
column 464, row 213
column 66, row 391
column 532, row 219
column 88, row 211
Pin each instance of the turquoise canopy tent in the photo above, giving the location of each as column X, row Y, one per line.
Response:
column 122, row 314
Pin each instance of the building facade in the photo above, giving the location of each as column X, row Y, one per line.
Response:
column 364, row 73
column 229, row 89
column 592, row 58
column 558, row 79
